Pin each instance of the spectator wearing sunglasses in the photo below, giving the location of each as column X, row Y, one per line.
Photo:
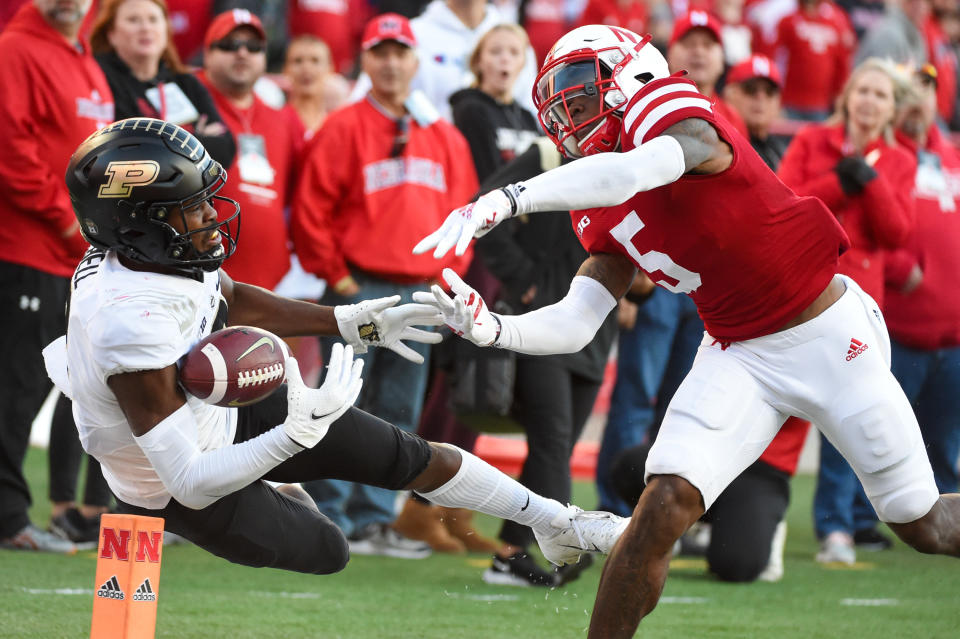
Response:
column 262, row 175
column 378, row 174
column 753, row 90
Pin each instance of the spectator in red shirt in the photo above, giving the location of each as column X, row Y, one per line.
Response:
column 814, row 46
column 545, row 21
column 853, row 164
column 60, row 98
column 189, row 20
column 261, row 176
column 375, row 179
column 696, row 47
column 629, row 14
column 923, row 309
column 315, row 89
column 336, row 22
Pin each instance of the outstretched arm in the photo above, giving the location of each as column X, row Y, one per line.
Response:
column 165, row 428
column 605, row 179
column 376, row 322
column 563, row 327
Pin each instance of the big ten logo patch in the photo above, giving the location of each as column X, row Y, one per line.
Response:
column 582, row 224
column 126, row 175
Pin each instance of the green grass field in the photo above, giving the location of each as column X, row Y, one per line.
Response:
column 893, row 594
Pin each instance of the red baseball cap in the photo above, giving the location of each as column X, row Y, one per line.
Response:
column 696, row 19
column 221, row 26
column 388, row 26
column 756, row 66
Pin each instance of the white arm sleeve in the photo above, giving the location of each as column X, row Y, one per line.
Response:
column 563, row 327
column 605, row 179
column 197, row 479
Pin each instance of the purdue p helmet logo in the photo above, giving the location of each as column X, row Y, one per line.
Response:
column 126, row 175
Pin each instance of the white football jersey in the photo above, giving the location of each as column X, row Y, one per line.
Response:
column 122, row 321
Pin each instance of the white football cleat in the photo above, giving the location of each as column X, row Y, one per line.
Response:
column 576, row 531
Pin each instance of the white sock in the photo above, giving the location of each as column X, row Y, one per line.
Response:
column 481, row 487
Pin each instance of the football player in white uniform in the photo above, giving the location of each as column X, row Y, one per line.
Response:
column 151, row 287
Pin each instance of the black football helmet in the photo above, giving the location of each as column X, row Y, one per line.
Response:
column 127, row 179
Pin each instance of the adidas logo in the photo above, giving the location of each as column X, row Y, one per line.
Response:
column 144, row 592
column 110, row 589
column 856, row 347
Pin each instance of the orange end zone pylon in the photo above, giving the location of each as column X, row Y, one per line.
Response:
column 128, row 577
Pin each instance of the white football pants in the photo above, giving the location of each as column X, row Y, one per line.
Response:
column 834, row 371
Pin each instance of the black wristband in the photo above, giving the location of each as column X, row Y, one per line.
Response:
column 512, row 198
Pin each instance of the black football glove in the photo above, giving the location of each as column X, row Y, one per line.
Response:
column 854, row 174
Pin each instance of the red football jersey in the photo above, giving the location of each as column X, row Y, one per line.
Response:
column 750, row 252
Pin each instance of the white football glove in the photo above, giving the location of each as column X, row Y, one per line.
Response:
column 375, row 323
column 467, row 222
column 310, row 411
column 466, row 314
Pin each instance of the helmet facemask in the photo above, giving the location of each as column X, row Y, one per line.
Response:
column 589, row 77
column 578, row 105
column 132, row 185
column 173, row 248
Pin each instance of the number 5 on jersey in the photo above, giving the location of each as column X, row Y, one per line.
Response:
column 653, row 261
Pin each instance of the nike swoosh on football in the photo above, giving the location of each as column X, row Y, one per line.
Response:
column 263, row 341
column 313, row 415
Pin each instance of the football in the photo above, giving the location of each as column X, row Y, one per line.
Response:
column 235, row 366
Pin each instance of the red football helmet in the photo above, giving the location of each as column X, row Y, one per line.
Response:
column 586, row 81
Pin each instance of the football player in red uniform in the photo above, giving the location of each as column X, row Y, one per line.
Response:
column 667, row 185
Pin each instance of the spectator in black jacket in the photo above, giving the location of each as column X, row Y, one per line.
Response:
column 498, row 131
column 133, row 43
column 534, row 258
column 497, row 128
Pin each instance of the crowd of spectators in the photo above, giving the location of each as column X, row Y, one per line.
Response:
column 336, row 118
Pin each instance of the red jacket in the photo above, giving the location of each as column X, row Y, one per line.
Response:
column 814, row 50
column 263, row 252
column 54, row 97
column 634, row 16
column 357, row 206
column 731, row 115
column 545, row 22
column 879, row 218
column 190, row 19
column 336, row 22
column 928, row 317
